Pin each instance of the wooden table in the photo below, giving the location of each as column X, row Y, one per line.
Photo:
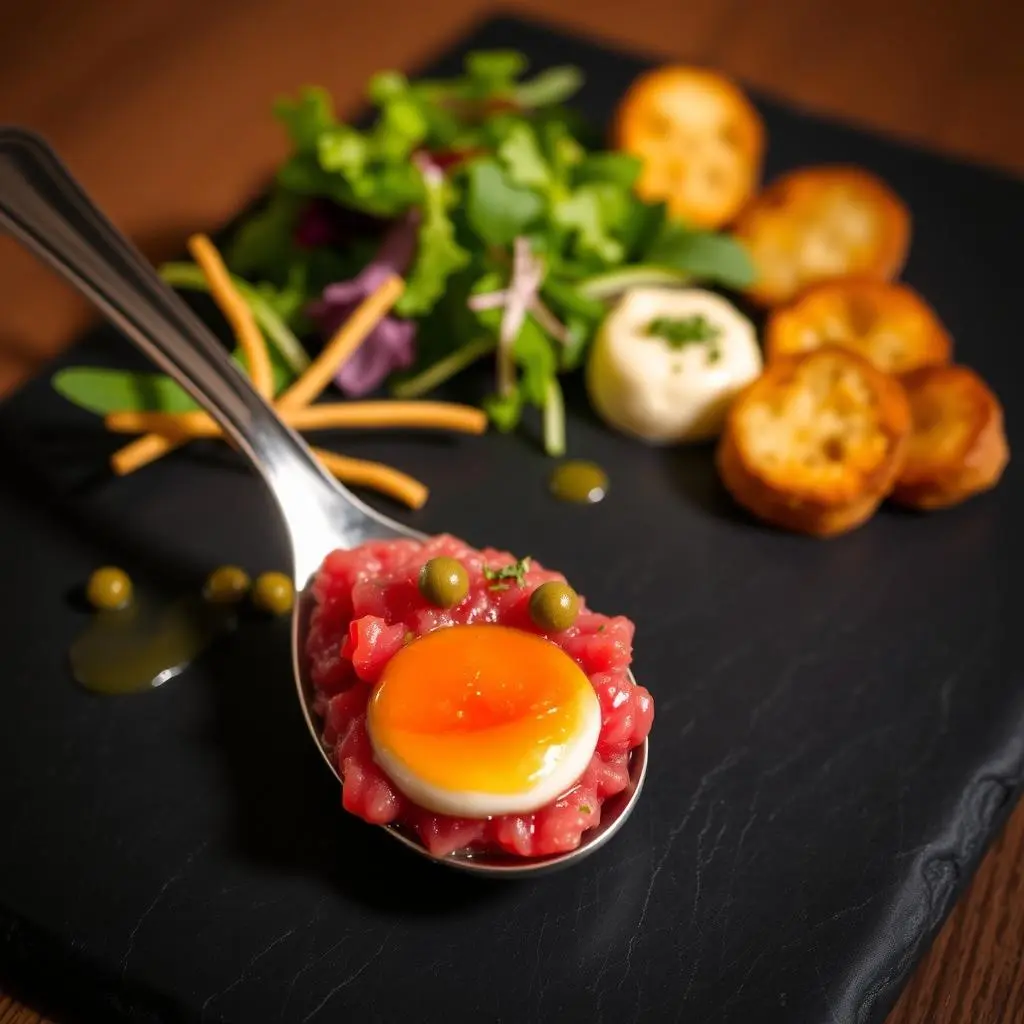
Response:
column 160, row 106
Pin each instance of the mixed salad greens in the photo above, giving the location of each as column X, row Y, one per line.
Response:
column 510, row 228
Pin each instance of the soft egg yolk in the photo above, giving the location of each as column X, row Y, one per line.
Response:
column 483, row 719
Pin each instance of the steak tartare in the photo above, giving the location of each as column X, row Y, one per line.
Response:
column 370, row 604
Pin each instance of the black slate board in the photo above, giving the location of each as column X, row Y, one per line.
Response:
column 840, row 725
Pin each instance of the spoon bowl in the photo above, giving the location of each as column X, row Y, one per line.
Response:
column 45, row 209
column 614, row 811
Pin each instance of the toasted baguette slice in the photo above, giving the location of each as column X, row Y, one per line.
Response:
column 888, row 323
column 957, row 446
column 815, row 443
column 817, row 223
column 700, row 140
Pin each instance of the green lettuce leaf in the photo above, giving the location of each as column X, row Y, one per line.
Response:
column 438, row 254
column 492, row 75
column 641, row 225
column 593, row 211
column 495, row 69
column 620, row 169
column 504, row 411
column 555, row 85
column 711, row 257
column 498, row 210
column 370, row 171
column 520, row 152
column 581, row 331
column 269, row 307
column 307, row 117
column 102, row 391
column 344, row 150
column 401, row 127
column 263, row 244
column 562, row 150
column 535, row 356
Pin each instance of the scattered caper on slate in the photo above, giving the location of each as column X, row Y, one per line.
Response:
column 227, row 585
column 273, row 592
column 109, row 589
column 443, row 581
column 554, row 606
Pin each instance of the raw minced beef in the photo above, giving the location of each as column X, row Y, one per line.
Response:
column 368, row 604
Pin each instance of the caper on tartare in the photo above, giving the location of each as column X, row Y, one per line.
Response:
column 554, row 606
column 273, row 592
column 443, row 581
column 227, row 584
column 109, row 589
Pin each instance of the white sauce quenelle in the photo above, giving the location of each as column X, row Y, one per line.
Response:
column 667, row 362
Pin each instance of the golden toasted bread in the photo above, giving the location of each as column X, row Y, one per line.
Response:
column 700, row 139
column 815, row 443
column 888, row 323
column 957, row 446
column 818, row 223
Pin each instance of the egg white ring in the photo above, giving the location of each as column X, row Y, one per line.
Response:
column 572, row 762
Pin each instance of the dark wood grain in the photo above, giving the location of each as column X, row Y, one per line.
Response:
column 160, row 107
column 974, row 971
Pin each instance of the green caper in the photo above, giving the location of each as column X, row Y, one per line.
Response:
column 226, row 585
column 273, row 592
column 443, row 581
column 554, row 606
column 109, row 589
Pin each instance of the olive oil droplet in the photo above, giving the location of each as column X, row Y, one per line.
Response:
column 141, row 647
column 579, row 481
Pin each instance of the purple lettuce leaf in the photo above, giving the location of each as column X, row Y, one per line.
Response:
column 390, row 345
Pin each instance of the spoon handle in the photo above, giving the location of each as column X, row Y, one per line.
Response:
column 46, row 209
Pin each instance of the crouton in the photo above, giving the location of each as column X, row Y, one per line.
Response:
column 957, row 446
column 889, row 324
column 818, row 223
column 815, row 443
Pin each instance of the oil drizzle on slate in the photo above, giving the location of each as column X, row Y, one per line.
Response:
column 142, row 646
column 579, row 481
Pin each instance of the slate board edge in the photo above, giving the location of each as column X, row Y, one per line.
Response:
column 41, row 972
column 946, row 869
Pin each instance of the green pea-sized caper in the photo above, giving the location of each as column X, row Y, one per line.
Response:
column 227, row 585
column 444, row 582
column 273, row 592
column 554, row 606
column 109, row 589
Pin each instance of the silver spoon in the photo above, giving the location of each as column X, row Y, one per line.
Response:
column 48, row 211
